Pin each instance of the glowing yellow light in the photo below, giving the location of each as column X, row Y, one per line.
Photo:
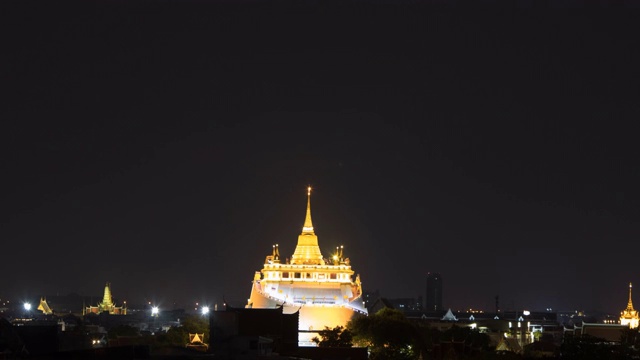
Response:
column 309, row 191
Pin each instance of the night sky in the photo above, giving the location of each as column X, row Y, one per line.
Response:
column 164, row 146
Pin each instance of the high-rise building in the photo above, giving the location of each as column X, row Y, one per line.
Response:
column 369, row 297
column 434, row 292
column 321, row 289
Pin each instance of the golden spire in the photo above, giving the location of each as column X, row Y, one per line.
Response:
column 307, row 251
column 630, row 316
column 106, row 299
column 308, row 225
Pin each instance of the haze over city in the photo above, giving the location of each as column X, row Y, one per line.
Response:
column 166, row 146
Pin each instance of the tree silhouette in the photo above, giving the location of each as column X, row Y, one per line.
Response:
column 387, row 333
column 339, row 336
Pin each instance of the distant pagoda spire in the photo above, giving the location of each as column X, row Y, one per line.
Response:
column 630, row 303
column 630, row 316
column 307, row 250
column 107, row 300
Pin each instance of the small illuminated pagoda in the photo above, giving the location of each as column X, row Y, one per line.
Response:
column 321, row 289
column 107, row 305
column 629, row 316
column 44, row 307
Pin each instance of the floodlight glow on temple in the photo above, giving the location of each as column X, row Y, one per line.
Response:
column 322, row 289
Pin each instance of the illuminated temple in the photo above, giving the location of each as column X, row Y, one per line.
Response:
column 321, row 289
column 107, row 305
column 629, row 316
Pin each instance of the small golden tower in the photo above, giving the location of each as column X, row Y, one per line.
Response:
column 107, row 300
column 629, row 316
column 107, row 305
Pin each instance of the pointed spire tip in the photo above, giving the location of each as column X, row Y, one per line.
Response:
column 308, row 225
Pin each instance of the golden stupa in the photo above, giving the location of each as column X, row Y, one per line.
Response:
column 107, row 305
column 321, row 289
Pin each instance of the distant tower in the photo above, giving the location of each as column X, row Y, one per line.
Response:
column 107, row 300
column 629, row 316
column 434, row 292
column 107, row 305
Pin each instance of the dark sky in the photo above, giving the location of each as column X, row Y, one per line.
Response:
column 166, row 145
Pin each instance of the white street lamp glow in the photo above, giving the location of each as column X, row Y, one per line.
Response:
column 155, row 310
column 27, row 306
column 205, row 310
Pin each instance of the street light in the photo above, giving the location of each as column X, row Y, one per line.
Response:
column 155, row 311
column 27, row 306
column 205, row 310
